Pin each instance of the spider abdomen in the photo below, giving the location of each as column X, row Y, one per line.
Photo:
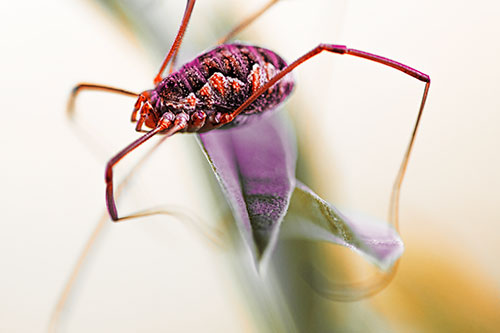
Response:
column 220, row 80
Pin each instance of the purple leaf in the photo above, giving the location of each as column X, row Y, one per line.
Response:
column 255, row 165
column 313, row 218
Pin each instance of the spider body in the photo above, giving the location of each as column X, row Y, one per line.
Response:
column 216, row 83
column 227, row 86
column 224, row 87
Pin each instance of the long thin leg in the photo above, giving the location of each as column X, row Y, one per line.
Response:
column 91, row 86
column 211, row 234
column 178, row 40
column 179, row 123
column 327, row 288
column 233, row 32
column 341, row 49
column 371, row 287
column 246, row 22
column 394, row 205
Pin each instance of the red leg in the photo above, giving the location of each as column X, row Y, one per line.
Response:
column 373, row 286
column 246, row 22
column 341, row 49
column 90, row 86
column 180, row 122
column 233, row 32
column 177, row 42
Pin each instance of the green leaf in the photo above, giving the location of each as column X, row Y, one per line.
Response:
column 310, row 217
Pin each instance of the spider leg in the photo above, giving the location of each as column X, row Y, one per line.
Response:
column 70, row 108
column 363, row 288
column 341, row 49
column 165, row 123
column 172, row 53
column 246, row 22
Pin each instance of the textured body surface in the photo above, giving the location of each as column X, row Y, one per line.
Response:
column 220, row 80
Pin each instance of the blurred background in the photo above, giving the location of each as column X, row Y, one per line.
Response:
column 353, row 120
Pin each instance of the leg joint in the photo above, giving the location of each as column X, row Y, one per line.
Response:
column 340, row 49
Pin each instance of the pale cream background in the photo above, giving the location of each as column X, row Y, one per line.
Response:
column 354, row 119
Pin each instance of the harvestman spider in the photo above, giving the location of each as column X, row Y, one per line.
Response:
column 225, row 87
